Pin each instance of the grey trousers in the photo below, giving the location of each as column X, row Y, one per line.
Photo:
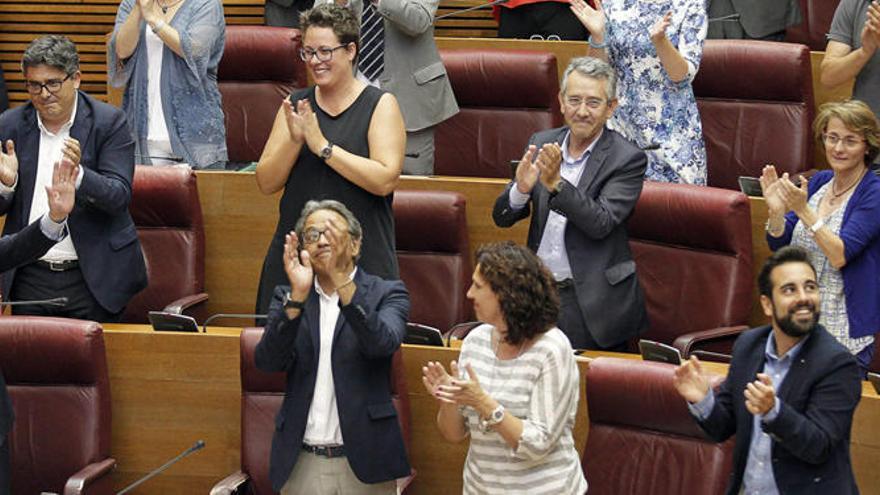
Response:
column 317, row 475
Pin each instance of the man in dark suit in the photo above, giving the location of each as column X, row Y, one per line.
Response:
column 334, row 331
column 757, row 19
column 99, row 266
column 285, row 13
column 24, row 247
column 582, row 181
column 790, row 392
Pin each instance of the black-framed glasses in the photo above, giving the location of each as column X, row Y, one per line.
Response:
column 311, row 235
column 324, row 53
column 52, row 85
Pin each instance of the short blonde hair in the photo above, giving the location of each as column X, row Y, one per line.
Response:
column 857, row 117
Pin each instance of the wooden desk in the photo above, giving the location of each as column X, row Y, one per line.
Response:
column 170, row 389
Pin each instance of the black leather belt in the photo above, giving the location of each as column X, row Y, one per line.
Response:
column 328, row 451
column 565, row 284
column 59, row 266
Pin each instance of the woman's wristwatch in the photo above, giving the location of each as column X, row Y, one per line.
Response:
column 495, row 417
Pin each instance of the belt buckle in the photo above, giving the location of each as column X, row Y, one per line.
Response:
column 56, row 266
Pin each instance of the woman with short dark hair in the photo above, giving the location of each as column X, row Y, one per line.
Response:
column 514, row 389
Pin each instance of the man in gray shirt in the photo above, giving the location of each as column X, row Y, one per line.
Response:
column 852, row 50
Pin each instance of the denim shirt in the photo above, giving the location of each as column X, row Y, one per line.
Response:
column 191, row 97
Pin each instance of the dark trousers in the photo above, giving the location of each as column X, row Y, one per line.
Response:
column 571, row 322
column 5, row 475
column 36, row 281
column 544, row 19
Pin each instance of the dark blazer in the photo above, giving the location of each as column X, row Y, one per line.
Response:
column 24, row 247
column 368, row 332
column 596, row 240
column 103, row 232
column 811, row 434
column 758, row 18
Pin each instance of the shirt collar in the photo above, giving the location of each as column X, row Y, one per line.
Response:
column 66, row 126
column 566, row 158
column 321, row 291
column 770, row 353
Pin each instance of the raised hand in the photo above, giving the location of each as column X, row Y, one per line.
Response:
column 298, row 267
column 8, row 164
column 592, row 19
column 549, row 161
column 760, row 395
column 62, row 192
column 795, row 197
column 339, row 261
column 294, row 124
column 434, row 376
column 870, row 36
column 310, row 128
column 658, row 30
column 771, row 188
column 527, row 171
column 691, row 381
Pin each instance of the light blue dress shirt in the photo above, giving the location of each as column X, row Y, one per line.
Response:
column 758, row 477
column 552, row 247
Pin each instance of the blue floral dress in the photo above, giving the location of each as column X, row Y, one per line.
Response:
column 653, row 110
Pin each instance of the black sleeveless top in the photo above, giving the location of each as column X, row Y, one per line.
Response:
column 312, row 179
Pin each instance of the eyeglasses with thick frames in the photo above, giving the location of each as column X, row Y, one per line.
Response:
column 592, row 103
column 831, row 141
column 324, row 53
column 52, row 85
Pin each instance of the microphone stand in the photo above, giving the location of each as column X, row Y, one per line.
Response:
column 197, row 446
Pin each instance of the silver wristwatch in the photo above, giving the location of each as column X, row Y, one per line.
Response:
column 495, row 417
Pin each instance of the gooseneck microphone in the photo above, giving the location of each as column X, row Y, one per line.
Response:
column 196, row 446
column 55, row 301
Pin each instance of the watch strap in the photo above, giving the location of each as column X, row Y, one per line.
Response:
column 291, row 304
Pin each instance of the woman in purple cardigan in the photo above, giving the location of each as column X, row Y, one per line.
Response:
column 836, row 217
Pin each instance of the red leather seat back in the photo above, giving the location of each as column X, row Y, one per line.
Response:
column 261, row 397
column 693, row 251
column 168, row 216
column 56, row 372
column 642, row 437
column 756, row 105
column 433, row 254
column 259, row 68
column 504, row 97
column 818, row 15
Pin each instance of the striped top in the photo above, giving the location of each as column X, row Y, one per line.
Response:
column 541, row 388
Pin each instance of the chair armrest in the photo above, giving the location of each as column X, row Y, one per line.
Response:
column 184, row 303
column 93, row 479
column 231, row 484
column 686, row 343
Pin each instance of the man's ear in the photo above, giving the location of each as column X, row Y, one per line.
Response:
column 767, row 305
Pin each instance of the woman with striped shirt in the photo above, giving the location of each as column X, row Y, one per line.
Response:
column 514, row 390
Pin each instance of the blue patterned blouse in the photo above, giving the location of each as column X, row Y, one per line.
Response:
column 654, row 110
column 191, row 98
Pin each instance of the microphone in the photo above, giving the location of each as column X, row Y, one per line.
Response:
column 196, row 446
column 476, row 7
column 55, row 301
column 726, row 18
column 228, row 315
column 177, row 159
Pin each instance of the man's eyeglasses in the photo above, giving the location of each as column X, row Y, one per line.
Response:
column 592, row 103
column 52, row 85
column 324, row 53
column 831, row 141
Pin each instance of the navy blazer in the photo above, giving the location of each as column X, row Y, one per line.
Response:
column 596, row 239
column 15, row 250
column 101, row 227
column 368, row 332
column 811, row 434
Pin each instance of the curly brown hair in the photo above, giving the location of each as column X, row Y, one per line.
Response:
column 524, row 286
column 340, row 19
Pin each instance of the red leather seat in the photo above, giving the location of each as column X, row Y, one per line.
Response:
column 168, row 216
column 433, row 254
column 693, row 251
column 817, row 22
column 56, row 371
column 504, row 97
column 259, row 68
column 756, row 105
column 643, row 439
column 261, row 397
